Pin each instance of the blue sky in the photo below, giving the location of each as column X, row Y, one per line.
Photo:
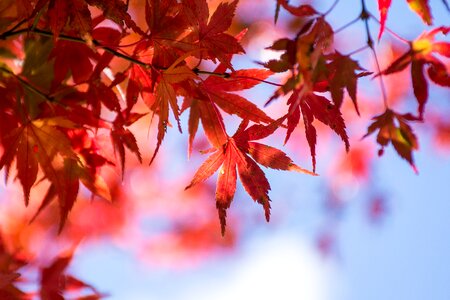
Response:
column 406, row 256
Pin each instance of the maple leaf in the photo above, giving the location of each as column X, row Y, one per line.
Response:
column 422, row 8
column 215, row 92
column 116, row 10
column 99, row 93
column 139, row 83
column 55, row 282
column 304, row 56
column 168, row 28
column 312, row 106
column 313, row 70
column 159, row 92
column 41, row 143
column 242, row 154
column 75, row 14
column 165, row 97
column 304, row 10
column 72, row 107
column 217, row 89
column 9, row 277
column 421, row 55
column 70, row 174
column 313, row 40
column 383, row 7
column 122, row 137
column 210, row 35
column 342, row 74
column 58, row 14
column 30, row 144
column 394, row 128
column 73, row 57
column 204, row 109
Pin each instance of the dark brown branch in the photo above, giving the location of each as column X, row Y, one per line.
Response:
column 115, row 52
column 365, row 16
column 28, row 85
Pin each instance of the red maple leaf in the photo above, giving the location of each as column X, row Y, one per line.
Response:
column 420, row 7
column 218, row 90
column 168, row 29
column 122, row 137
column 421, row 55
column 209, row 36
column 303, row 10
column 394, row 128
column 9, row 275
column 383, row 7
column 240, row 153
column 215, row 91
column 75, row 15
column 42, row 143
column 166, row 96
column 342, row 74
column 312, row 106
column 55, row 282
column 73, row 57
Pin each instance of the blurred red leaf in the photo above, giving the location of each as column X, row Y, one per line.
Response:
column 422, row 8
column 383, row 7
column 421, row 55
column 394, row 128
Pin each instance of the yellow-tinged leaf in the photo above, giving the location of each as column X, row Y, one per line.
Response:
column 97, row 186
column 55, row 121
column 422, row 8
column 423, row 46
column 178, row 74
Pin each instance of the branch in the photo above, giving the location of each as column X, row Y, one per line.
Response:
column 347, row 25
column 27, row 85
column 365, row 15
column 331, row 8
column 389, row 30
column 116, row 53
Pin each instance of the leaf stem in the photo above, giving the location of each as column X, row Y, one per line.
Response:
column 27, row 85
column 394, row 34
column 260, row 80
column 358, row 50
column 382, row 86
column 116, row 53
column 365, row 16
column 347, row 25
column 198, row 71
column 331, row 8
column 446, row 5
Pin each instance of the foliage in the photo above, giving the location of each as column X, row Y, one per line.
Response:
column 71, row 71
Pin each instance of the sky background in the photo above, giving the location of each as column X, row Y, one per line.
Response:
column 404, row 256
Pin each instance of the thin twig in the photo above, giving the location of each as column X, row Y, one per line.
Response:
column 358, row 50
column 347, row 25
column 365, row 15
column 260, row 80
column 382, row 86
column 117, row 53
column 331, row 8
column 393, row 33
column 27, row 85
